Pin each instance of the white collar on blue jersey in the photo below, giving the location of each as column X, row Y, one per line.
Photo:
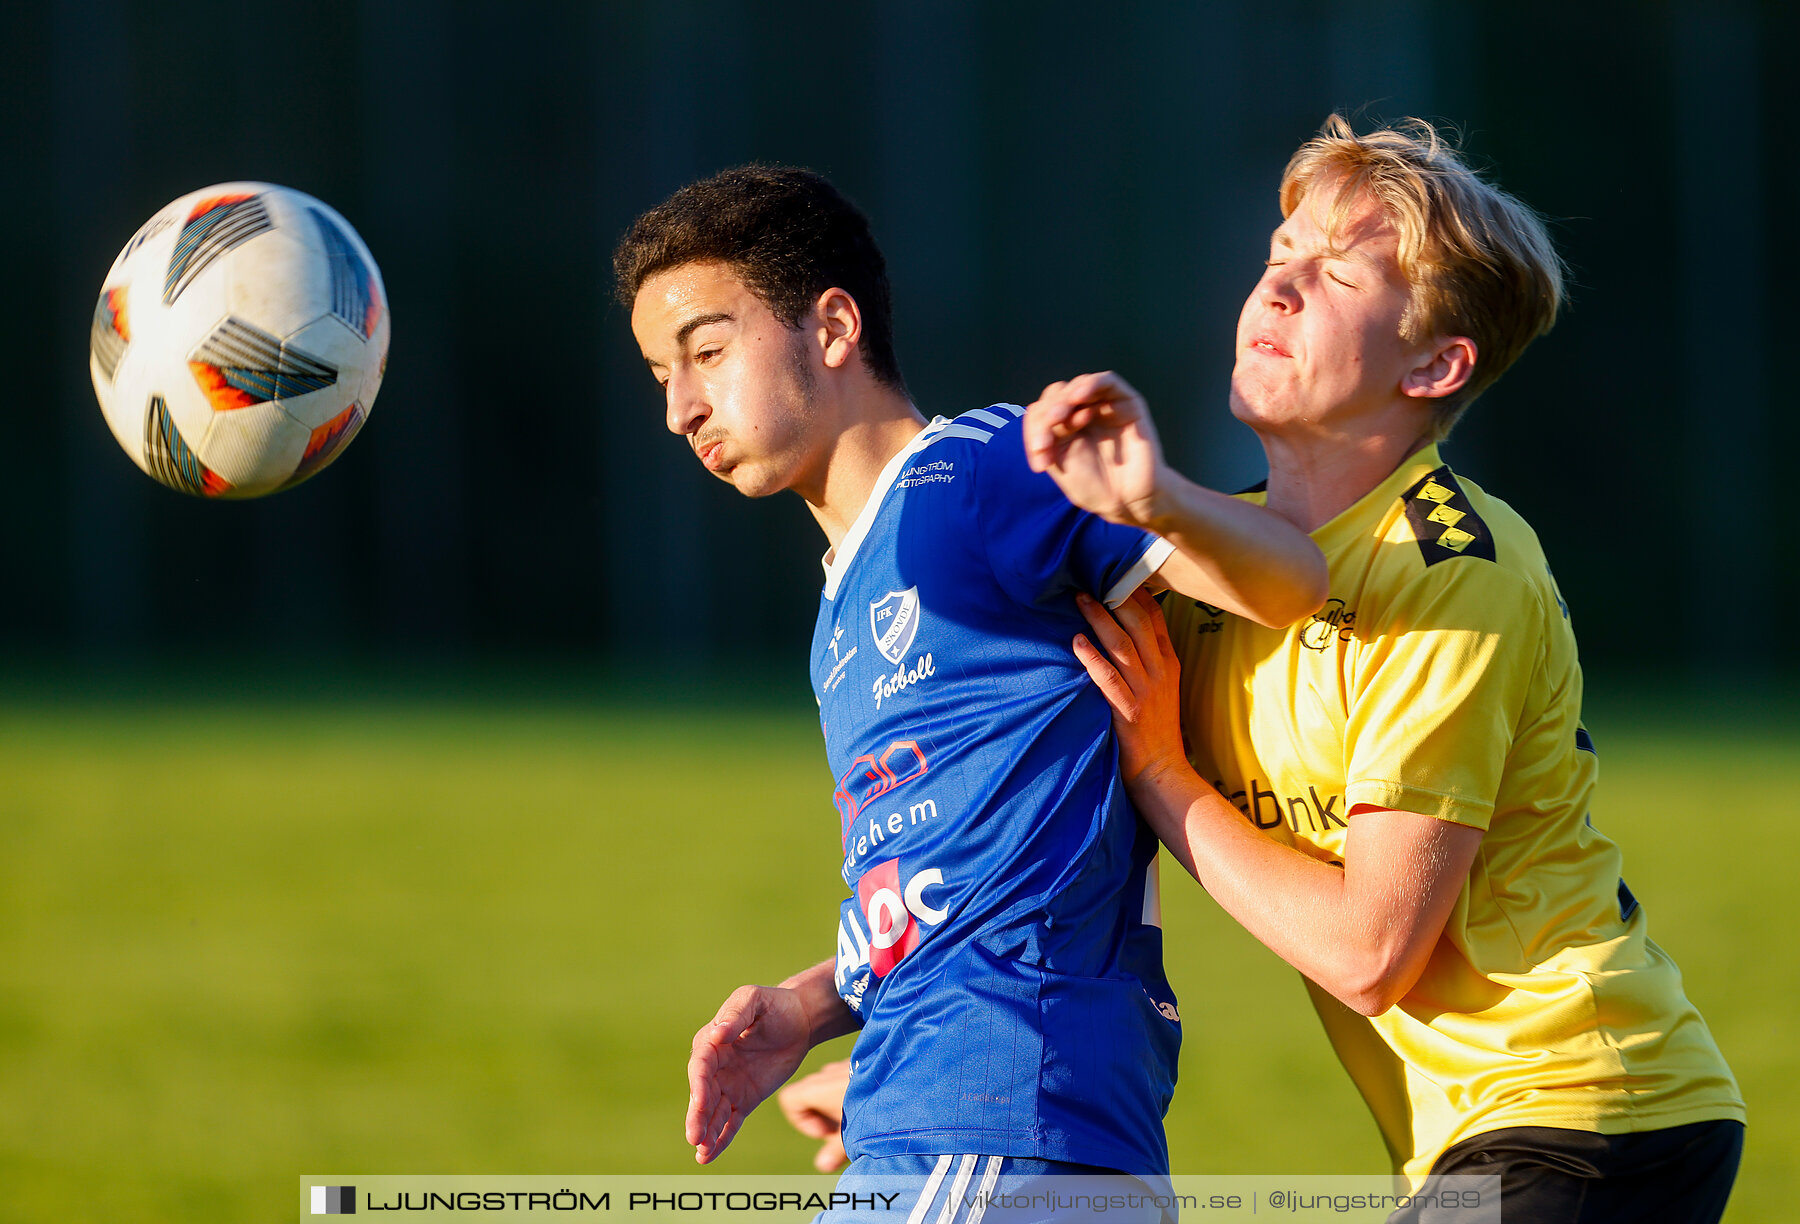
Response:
column 837, row 560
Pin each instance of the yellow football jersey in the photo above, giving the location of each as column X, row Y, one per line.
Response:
column 1441, row 678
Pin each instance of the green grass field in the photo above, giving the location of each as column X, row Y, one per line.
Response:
column 473, row 931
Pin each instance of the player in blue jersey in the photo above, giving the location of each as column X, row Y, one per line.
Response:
column 999, row 949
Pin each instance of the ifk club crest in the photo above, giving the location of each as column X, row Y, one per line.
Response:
column 894, row 620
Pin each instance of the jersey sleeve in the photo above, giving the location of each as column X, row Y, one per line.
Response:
column 1439, row 690
column 1041, row 546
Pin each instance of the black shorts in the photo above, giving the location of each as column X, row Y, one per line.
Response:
column 1681, row 1175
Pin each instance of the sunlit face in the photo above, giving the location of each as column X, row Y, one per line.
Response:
column 737, row 382
column 1318, row 341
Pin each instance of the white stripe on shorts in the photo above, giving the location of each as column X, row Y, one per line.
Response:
column 964, row 1171
column 989, row 1177
column 929, row 1192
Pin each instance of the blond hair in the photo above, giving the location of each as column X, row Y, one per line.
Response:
column 1479, row 261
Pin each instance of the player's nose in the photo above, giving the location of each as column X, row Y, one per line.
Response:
column 686, row 409
column 1276, row 289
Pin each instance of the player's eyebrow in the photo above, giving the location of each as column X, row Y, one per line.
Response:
column 1331, row 249
column 698, row 321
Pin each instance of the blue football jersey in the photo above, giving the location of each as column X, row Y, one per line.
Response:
column 1000, row 940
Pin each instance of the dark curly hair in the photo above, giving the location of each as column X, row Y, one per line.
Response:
column 786, row 232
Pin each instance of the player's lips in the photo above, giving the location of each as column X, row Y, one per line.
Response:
column 711, row 453
column 1262, row 344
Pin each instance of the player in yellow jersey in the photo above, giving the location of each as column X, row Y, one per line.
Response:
column 1394, row 795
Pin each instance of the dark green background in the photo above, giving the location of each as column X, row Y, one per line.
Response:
column 1060, row 186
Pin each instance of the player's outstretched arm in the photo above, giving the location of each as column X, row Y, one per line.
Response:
column 1094, row 435
column 750, row 1048
column 1363, row 931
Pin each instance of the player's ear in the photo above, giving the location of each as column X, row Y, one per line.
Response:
column 839, row 326
column 1444, row 370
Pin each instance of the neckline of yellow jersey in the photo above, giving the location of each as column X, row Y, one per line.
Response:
column 837, row 561
column 1352, row 521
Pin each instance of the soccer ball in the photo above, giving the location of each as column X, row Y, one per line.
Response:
column 239, row 340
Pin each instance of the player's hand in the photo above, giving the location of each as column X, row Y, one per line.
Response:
column 1141, row 679
column 1093, row 434
column 815, row 1106
column 750, row 1048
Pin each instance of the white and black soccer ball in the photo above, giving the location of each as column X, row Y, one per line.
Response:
column 239, row 340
